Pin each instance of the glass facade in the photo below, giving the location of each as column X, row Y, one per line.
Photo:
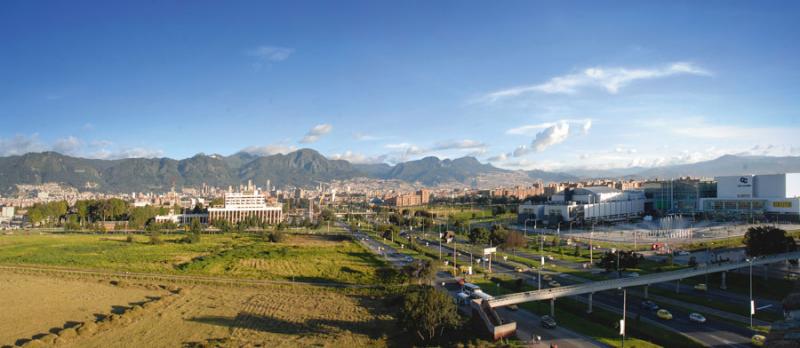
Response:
column 677, row 196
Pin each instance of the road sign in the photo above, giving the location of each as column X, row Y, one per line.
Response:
column 487, row 251
column 752, row 307
column 622, row 327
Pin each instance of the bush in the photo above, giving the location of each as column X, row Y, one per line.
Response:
column 277, row 236
column 155, row 237
column 129, row 239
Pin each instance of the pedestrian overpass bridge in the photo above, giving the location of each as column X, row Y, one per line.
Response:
column 592, row 287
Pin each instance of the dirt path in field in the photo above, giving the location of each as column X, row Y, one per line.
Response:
column 36, row 305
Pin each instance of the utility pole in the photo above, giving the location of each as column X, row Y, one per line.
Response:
column 455, row 255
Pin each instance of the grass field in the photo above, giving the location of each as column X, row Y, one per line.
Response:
column 300, row 258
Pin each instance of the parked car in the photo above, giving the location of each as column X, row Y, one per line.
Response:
column 697, row 318
column 547, row 277
column 554, row 284
column 701, row 287
column 633, row 275
column 758, row 340
column 649, row 305
column 683, row 253
column 548, row 322
column 664, row 314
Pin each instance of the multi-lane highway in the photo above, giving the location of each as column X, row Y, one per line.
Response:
column 713, row 332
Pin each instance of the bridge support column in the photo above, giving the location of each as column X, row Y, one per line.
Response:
column 589, row 310
column 646, row 287
column 724, row 285
column 553, row 307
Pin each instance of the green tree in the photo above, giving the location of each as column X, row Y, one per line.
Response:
column 82, row 209
column 479, row 236
column 498, row 234
column 390, row 276
column 627, row 259
column 195, row 228
column 154, row 232
column 768, row 240
column 327, row 215
column 427, row 312
column 421, row 270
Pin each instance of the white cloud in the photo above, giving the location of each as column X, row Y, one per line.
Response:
column 270, row 54
column 610, row 79
column 700, row 128
column 364, row 137
column 67, row 146
column 549, row 134
column 458, row 144
column 126, row 152
column 358, row 158
column 553, row 135
column 137, row 152
column 20, row 145
column 404, row 151
column 268, row 150
column 533, row 129
column 315, row 133
column 498, row 158
column 587, row 125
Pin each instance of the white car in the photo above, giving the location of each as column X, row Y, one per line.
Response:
column 697, row 318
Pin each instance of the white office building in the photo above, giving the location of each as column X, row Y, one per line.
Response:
column 241, row 205
column 776, row 196
column 586, row 204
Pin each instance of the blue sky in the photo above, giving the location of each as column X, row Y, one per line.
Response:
column 549, row 85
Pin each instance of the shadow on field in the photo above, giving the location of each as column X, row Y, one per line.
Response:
column 382, row 325
column 280, row 326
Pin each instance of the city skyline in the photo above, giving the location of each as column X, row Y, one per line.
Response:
column 522, row 86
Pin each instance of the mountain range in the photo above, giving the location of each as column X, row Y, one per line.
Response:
column 306, row 168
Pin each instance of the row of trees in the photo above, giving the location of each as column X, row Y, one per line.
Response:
column 498, row 235
column 85, row 212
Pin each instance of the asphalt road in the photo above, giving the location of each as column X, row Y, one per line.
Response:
column 528, row 324
column 712, row 333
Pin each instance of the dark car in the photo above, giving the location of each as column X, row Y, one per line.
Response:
column 548, row 322
column 649, row 305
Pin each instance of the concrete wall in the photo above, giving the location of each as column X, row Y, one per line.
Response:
column 770, row 186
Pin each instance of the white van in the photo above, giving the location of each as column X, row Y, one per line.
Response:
column 469, row 288
column 481, row 295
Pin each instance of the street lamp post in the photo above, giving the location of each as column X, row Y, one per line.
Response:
column 591, row 247
column 525, row 226
column 541, row 255
column 752, row 306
